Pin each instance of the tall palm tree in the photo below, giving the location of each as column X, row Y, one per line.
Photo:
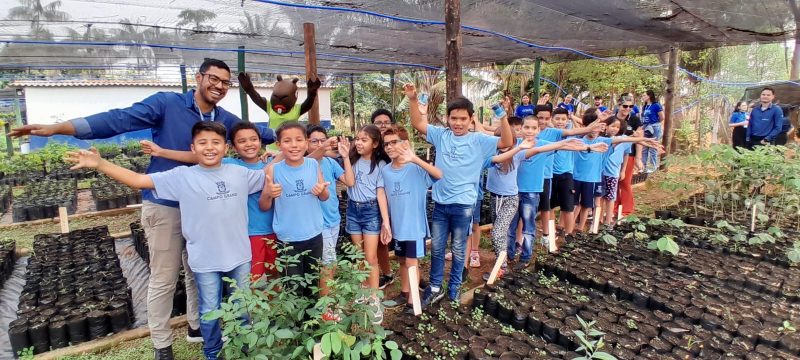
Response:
column 36, row 12
column 196, row 17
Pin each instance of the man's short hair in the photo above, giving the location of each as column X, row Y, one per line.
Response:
column 213, row 126
column 768, row 88
column 207, row 63
column 460, row 103
column 598, row 97
column 380, row 112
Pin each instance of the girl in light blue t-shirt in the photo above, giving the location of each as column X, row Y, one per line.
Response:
column 367, row 213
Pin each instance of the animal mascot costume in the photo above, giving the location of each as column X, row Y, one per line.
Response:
column 282, row 105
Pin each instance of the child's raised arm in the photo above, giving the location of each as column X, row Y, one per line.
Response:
column 524, row 145
column 506, row 134
column 149, row 147
column 648, row 142
column 91, row 159
column 598, row 125
column 418, row 121
column 566, row 145
column 409, row 156
column 348, row 178
column 271, row 190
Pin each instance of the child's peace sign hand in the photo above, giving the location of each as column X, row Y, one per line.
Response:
column 410, row 91
column 344, row 146
column 319, row 188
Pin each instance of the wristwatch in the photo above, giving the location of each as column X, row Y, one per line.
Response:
column 588, row 149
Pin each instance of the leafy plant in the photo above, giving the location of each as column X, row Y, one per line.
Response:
column 665, row 244
column 794, row 253
column 591, row 341
column 287, row 325
column 786, row 327
column 609, row 239
column 26, row 353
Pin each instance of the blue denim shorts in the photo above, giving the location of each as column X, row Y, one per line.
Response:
column 476, row 212
column 363, row 218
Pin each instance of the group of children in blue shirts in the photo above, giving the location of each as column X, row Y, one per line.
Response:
column 236, row 211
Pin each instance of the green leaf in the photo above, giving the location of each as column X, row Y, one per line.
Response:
column 336, row 343
column 326, row 344
column 391, row 345
column 284, row 334
column 396, row 354
column 600, row 355
column 252, row 338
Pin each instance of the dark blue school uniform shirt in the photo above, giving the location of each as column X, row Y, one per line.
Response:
column 170, row 116
column 650, row 115
column 765, row 122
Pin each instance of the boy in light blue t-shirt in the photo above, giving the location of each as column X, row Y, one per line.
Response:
column 460, row 155
column 213, row 205
column 406, row 181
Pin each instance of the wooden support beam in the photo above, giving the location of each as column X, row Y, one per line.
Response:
column 242, row 94
column 184, row 85
column 311, row 67
column 392, row 82
column 452, row 60
column 669, row 101
column 353, row 104
column 537, row 79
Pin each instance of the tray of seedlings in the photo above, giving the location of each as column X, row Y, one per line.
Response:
column 450, row 331
column 747, row 307
column 109, row 194
column 5, row 198
column 8, row 258
column 74, row 292
column 143, row 250
column 41, row 200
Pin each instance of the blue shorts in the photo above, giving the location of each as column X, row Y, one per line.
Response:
column 330, row 235
column 476, row 212
column 363, row 218
column 409, row 248
column 585, row 192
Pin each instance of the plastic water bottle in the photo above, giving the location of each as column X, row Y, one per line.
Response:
column 499, row 111
column 423, row 98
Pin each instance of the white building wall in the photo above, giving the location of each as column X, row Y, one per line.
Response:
column 49, row 105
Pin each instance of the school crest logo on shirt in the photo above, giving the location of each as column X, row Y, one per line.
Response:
column 299, row 186
column 222, row 188
column 396, row 186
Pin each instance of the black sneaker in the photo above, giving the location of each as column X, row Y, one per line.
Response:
column 520, row 266
column 163, row 354
column 431, row 297
column 385, row 280
column 194, row 336
column 398, row 301
column 408, row 309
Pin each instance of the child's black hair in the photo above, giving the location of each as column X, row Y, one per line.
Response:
column 316, row 128
column 290, row 125
column 560, row 111
column 623, row 124
column 460, row 103
column 540, row 108
column 212, row 126
column 380, row 112
column 589, row 116
column 378, row 152
column 513, row 120
column 239, row 126
column 207, row 63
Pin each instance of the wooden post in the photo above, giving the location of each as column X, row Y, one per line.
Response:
column 242, row 94
column 63, row 219
column 537, row 78
column 353, row 104
column 184, row 85
column 413, row 280
column 753, row 218
column 391, row 89
column 551, row 235
column 452, row 60
column 480, row 114
column 497, row 265
column 598, row 213
column 311, row 67
column 669, row 101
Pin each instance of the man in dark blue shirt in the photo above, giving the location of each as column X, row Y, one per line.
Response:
column 766, row 120
column 170, row 116
column 598, row 103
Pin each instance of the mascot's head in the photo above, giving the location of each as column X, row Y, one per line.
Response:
column 284, row 95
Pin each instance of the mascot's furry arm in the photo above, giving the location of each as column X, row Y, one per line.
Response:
column 312, row 87
column 244, row 82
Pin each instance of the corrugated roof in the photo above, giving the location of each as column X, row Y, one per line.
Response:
column 117, row 83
